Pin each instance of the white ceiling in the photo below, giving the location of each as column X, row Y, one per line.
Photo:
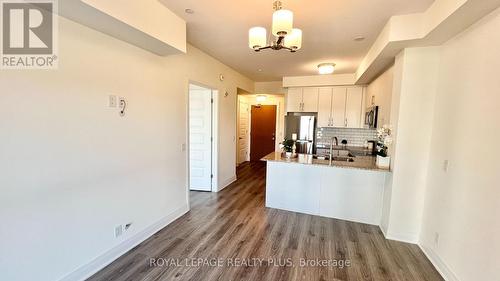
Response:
column 220, row 28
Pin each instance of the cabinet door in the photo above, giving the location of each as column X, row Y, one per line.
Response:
column 325, row 107
column 310, row 100
column 294, row 100
column 354, row 107
column 338, row 106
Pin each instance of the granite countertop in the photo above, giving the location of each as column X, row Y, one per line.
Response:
column 362, row 162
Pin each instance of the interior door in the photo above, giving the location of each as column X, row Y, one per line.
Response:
column 263, row 131
column 354, row 107
column 310, row 99
column 294, row 100
column 243, row 128
column 338, row 106
column 325, row 107
column 200, row 139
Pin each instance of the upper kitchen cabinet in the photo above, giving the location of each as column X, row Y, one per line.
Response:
column 146, row 24
column 354, row 107
column 325, row 107
column 294, row 100
column 302, row 100
column 341, row 107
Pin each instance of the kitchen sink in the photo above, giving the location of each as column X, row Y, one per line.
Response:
column 343, row 159
column 338, row 155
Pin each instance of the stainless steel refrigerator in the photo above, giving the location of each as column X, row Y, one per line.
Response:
column 304, row 125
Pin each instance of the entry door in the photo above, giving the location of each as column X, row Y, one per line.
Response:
column 263, row 131
column 243, row 132
column 200, row 139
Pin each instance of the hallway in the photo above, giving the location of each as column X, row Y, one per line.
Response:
column 233, row 226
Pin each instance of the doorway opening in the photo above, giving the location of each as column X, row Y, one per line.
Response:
column 260, row 125
column 202, row 152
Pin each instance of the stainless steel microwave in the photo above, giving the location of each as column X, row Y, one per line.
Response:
column 371, row 117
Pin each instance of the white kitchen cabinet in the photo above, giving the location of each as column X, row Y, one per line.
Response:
column 354, row 107
column 310, row 100
column 325, row 107
column 338, row 107
column 294, row 100
column 302, row 100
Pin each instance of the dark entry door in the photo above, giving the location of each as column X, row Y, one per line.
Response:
column 263, row 130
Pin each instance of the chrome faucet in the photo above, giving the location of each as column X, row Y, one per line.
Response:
column 331, row 148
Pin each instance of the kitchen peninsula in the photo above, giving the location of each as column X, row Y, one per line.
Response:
column 338, row 189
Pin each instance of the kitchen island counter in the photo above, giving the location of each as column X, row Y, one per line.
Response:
column 352, row 191
column 360, row 162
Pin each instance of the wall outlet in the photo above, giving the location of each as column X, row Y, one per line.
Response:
column 436, row 239
column 183, row 147
column 118, row 230
column 112, row 101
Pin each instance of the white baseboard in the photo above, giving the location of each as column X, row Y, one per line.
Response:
column 102, row 261
column 226, row 183
column 400, row 237
column 438, row 263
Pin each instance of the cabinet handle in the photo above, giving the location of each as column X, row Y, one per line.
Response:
column 345, row 122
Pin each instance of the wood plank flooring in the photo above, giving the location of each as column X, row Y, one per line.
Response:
column 234, row 230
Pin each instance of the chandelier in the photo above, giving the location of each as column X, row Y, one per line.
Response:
column 287, row 37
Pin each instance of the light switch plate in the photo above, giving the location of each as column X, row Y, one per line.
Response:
column 446, row 165
column 112, row 101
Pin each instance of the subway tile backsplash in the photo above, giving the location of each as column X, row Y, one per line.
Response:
column 354, row 137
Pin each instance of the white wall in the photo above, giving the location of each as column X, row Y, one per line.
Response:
column 381, row 91
column 462, row 205
column 72, row 169
column 413, row 99
column 270, row 88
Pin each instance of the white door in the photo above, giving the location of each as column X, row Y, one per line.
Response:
column 354, row 107
column 200, row 138
column 325, row 107
column 294, row 100
column 338, row 107
column 310, row 100
column 244, row 110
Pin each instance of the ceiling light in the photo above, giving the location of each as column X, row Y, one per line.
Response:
column 189, row 11
column 359, row 38
column 282, row 22
column 257, row 37
column 326, row 68
column 294, row 39
column 288, row 38
column 261, row 98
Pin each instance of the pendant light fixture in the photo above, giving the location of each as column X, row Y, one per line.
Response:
column 287, row 37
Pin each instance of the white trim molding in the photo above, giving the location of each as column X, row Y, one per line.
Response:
column 226, row 183
column 102, row 261
column 439, row 264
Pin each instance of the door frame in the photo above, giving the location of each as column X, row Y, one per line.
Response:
column 214, row 132
column 247, row 156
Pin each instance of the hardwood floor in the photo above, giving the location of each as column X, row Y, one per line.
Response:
column 233, row 227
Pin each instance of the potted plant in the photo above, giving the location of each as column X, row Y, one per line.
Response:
column 384, row 140
column 287, row 146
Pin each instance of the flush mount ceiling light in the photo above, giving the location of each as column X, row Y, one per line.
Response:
column 287, row 37
column 326, row 68
column 261, row 98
